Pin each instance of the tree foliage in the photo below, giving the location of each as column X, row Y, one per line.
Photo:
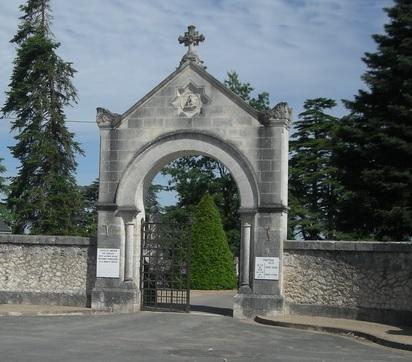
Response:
column 192, row 177
column 313, row 184
column 151, row 203
column 212, row 264
column 3, row 185
column 375, row 140
column 87, row 220
column 43, row 196
column 244, row 91
column 5, row 214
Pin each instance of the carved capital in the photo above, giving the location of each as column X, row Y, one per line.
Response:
column 106, row 119
column 127, row 213
column 279, row 115
column 106, row 206
column 273, row 208
column 247, row 212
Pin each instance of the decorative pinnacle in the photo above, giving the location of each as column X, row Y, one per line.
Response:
column 190, row 39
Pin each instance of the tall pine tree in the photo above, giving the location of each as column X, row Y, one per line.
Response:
column 87, row 219
column 3, row 186
column 375, row 142
column 43, row 196
column 313, row 183
column 244, row 91
column 4, row 213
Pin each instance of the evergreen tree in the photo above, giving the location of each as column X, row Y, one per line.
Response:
column 244, row 90
column 375, row 141
column 43, row 196
column 192, row 177
column 87, row 220
column 312, row 175
column 3, row 186
column 4, row 212
column 212, row 264
column 151, row 203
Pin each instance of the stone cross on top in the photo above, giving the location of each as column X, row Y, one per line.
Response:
column 190, row 39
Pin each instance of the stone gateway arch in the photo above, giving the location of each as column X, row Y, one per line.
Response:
column 192, row 113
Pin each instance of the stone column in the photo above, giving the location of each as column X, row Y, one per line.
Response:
column 128, row 269
column 244, row 281
column 129, row 219
column 247, row 217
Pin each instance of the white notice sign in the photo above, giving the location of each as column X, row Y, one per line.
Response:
column 108, row 263
column 267, row 268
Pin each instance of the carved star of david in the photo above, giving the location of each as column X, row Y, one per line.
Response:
column 189, row 100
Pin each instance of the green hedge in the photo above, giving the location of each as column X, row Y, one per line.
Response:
column 212, row 260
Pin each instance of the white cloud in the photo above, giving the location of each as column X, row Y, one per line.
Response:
column 294, row 49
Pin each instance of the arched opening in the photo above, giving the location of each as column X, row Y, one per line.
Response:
column 149, row 160
column 178, row 187
column 173, row 199
column 136, row 182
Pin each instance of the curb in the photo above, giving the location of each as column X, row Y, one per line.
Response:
column 52, row 313
column 335, row 330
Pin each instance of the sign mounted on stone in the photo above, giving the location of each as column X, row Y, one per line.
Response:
column 108, row 263
column 266, row 268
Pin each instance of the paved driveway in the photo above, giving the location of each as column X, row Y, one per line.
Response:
column 173, row 337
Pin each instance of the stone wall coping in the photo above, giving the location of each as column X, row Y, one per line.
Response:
column 366, row 246
column 46, row 240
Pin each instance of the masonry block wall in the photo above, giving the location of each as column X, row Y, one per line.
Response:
column 359, row 280
column 56, row 270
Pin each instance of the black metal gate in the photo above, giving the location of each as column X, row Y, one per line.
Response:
column 165, row 266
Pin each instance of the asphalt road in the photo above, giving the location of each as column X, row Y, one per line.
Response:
column 149, row 336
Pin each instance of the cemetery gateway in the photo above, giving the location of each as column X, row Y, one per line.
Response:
column 192, row 113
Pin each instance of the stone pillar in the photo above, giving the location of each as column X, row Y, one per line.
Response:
column 262, row 293
column 111, row 292
column 128, row 269
column 247, row 217
column 129, row 220
column 119, row 294
column 137, row 248
column 245, row 247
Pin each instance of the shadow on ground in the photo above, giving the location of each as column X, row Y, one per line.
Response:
column 404, row 331
column 227, row 312
column 218, row 302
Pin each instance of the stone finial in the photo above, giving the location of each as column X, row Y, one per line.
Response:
column 105, row 118
column 281, row 113
column 190, row 39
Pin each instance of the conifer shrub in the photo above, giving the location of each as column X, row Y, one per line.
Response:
column 212, row 261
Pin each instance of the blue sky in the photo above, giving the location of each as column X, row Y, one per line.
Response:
column 293, row 49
